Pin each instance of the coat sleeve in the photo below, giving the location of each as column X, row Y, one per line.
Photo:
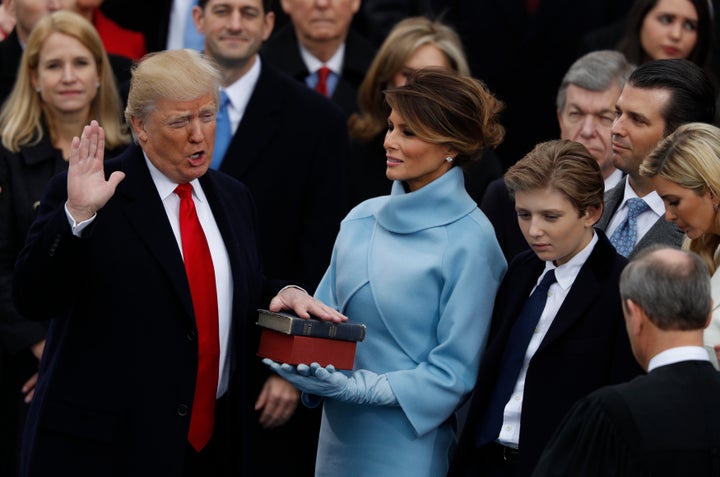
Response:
column 432, row 391
column 589, row 443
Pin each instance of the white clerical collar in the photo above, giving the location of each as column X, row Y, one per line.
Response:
column 678, row 354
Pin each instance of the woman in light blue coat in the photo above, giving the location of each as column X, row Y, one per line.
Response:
column 420, row 268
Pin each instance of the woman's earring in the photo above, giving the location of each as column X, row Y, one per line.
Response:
column 97, row 85
column 37, row 90
column 449, row 159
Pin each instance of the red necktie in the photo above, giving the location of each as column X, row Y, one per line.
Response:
column 201, row 277
column 323, row 74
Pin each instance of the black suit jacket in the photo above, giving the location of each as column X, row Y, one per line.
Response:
column 585, row 348
column 118, row 374
column 500, row 209
column 664, row 424
column 283, row 52
column 290, row 149
column 662, row 232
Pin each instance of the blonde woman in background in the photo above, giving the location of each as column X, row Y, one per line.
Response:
column 685, row 171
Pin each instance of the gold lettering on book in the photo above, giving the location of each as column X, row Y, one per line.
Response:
column 307, row 328
column 332, row 331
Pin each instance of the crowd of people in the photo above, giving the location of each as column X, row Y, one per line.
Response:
column 539, row 294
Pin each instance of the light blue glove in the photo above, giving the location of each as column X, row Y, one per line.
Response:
column 361, row 387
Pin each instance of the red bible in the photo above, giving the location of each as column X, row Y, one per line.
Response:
column 287, row 338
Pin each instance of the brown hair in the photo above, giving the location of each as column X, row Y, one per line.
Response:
column 565, row 166
column 403, row 40
column 444, row 107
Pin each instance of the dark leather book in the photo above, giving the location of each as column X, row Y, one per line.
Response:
column 291, row 324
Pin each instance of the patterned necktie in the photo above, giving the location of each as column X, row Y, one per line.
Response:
column 191, row 38
column 323, row 74
column 512, row 360
column 201, row 278
column 223, row 131
column 623, row 239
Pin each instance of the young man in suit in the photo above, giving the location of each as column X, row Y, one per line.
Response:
column 666, row 423
column 288, row 144
column 548, row 348
column 146, row 367
column 319, row 35
column 658, row 97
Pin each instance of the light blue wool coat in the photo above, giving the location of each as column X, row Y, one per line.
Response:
column 421, row 270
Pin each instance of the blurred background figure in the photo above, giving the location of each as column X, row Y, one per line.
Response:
column 319, row 48
column 116, row 39
column 685, row 170
column 28, row 13
column 413, row 44
column 7, row 21
column 659, row 29
column 521, row 49
column 64, row 81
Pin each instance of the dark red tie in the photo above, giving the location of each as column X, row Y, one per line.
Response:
column 201, row 277
column 323, row 74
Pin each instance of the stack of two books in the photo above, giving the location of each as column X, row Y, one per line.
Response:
column 287, row 338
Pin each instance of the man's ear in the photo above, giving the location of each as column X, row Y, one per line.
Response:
column 138, row 127
column 636, row 317
column 197, row 16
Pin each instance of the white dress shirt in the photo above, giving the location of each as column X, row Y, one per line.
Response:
column 313, row 64
column 240, row 92
column 220, row 258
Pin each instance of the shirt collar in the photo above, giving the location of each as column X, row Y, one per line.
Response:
column 166, row 187
column 652, row 199
column 566, row 273
column 676, row 355
column 334, row 63
column 240, row 91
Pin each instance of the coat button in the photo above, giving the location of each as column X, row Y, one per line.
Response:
column 191, row 335
column 182, row 410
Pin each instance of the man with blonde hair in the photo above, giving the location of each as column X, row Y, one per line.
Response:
column 148, row 267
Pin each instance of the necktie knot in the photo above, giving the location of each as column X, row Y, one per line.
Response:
column 546, row 281
column 184, row 190
column 636, row 206
column 624, row 237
